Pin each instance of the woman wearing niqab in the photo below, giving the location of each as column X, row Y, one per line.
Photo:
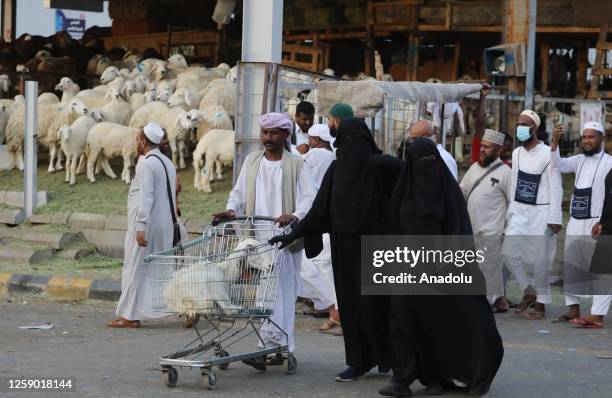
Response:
column 351, row 202
column 442, row 340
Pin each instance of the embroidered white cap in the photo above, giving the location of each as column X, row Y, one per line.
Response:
column 494, row 136
column 532, row 115
column 153, row 132
column 593, row 126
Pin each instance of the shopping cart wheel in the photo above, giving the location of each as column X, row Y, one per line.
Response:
column 210, row 378
column 223, row 354
column 291, row 364
column 170, row 376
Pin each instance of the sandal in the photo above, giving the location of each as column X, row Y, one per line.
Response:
column 275, row 360
column 586, row 323
column 329, row 324
column 563, row 318
column 535, row 315
column 124, row 323
column 524, row 304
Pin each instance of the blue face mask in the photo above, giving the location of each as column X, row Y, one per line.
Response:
column 523, row 133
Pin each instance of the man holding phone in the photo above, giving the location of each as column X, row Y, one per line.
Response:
column 590, row 168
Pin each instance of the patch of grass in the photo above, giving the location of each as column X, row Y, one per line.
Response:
column 108, row 196
column 95, row 266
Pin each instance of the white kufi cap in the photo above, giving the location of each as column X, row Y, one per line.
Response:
column 153, row 132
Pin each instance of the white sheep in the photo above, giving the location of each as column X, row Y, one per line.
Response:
column 185, row 98
column 232, row 75
column 135, row 98
column 68, row 88
column 14, row 132
column 5, row 84
column 111, row 73
column 93, row 98
column 117, row 110
column 73, row 142
column 66, row 115
column 196, row 289
column 220, row 92
column 4, row 115
column 48, row 98
column 176, row 121
column 212, row 116
column 107, row 140
column 217, row 149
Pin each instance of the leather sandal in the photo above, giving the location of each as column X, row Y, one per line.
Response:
column 524, row 304
column 124, row 323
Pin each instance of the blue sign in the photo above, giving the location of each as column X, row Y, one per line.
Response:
column 75, row 27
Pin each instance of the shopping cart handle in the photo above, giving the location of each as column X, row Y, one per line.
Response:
column 217, row 221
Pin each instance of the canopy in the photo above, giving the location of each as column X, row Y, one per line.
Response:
column 367, row 96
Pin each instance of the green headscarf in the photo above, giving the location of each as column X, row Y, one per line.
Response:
column 341, row 111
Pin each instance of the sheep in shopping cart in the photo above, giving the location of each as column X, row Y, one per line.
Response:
column 195, row 289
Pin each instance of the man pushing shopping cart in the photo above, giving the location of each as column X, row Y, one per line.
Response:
column 232, row 273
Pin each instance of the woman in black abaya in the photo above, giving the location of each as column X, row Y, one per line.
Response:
column 351, row 202
column 438, row 339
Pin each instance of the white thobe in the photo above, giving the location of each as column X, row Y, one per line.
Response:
column 301, row 137
column 526, row 241
column 316, row 274
column 449, row 161
column 591, row 171
column 149, row 211
column 269, row 203
column 487, row 205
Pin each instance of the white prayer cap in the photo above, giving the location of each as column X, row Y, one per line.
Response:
column 532, row 115
column 321, row 131
column 593, row 126
column 494, row 136
column 153, row 132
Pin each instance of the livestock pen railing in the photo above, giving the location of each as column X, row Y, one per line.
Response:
column 268, row 87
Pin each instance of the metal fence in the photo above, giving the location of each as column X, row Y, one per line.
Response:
column 503, row 111
column 268, row 87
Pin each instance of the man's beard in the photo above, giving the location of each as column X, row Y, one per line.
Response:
column 531, row 138
column 487, row 161
column 591, row 152
column 333, row 131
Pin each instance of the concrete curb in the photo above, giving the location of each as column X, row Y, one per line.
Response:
column 61, row 287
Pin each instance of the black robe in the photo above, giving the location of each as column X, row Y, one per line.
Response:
column 601, row 262
column 438, row 338
column 351, row 202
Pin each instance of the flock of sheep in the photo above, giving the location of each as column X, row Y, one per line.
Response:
column 195, row 105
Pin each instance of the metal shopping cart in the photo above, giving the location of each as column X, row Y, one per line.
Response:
column 227, row 278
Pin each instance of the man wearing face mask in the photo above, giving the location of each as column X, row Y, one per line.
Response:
column 591, row 168
column 338, row 113
column 534, row 217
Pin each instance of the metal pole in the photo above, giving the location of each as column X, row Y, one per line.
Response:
column 30, row 147
column 262, row 43
column 533, row 12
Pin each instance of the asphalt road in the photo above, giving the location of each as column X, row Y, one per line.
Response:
column 123, row 363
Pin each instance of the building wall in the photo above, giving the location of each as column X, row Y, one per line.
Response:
column 34, row 19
